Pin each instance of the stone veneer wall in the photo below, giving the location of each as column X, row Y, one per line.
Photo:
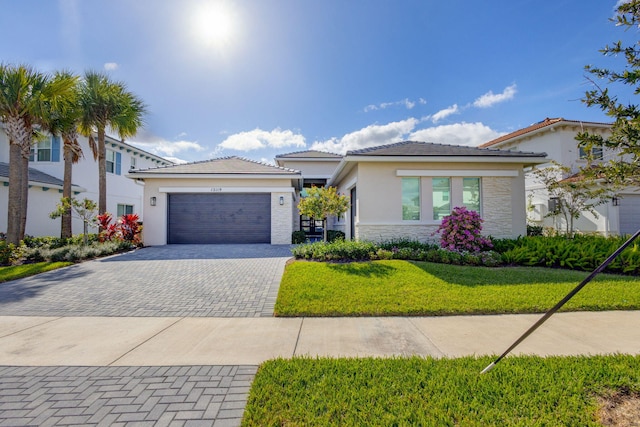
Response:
column 281, row 221
column 497, row 211
column 382, row 233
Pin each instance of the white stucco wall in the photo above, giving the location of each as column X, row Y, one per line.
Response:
column 379, row 197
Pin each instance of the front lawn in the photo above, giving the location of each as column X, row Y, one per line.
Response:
column 520, row 391
column 395, row 287
column 19, row 271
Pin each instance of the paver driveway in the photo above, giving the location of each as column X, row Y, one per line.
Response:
column 172, row 280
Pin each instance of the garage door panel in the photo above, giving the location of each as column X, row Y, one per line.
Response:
column 219, row 218
column 629, row 210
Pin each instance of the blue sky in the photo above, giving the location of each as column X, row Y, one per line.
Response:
column 256, row 78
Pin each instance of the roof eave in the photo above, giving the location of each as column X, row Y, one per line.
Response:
column 541, row 158
column 147, row 175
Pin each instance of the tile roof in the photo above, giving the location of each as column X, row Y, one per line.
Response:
column 429, row 149
column 34, row 175
column 224, row 165
column 542, row 124
column 309, row 154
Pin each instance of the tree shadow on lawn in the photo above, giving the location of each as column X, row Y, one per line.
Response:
column 472, row 276
column 364, row 269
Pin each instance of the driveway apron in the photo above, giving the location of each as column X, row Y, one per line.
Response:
column 163, row 281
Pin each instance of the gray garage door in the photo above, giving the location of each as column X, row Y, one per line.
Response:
column 219, row 218
column 629, row 214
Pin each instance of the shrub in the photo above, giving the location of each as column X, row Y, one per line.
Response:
column 9, row 253
column 534, row 230
column 333, row 235
column 298, row 237
column 339, row 250
column 407, row 243
column 461, row 231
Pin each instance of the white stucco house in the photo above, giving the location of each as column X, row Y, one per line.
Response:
column 46, row 171
column 556, row 137
column 398, row 190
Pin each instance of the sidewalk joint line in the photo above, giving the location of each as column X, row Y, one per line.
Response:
column 442, row 354
column 145, row 341
column 295, row 348
column 31, row 327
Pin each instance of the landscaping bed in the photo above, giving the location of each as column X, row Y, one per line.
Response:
column 396, row 287
column 522, row 391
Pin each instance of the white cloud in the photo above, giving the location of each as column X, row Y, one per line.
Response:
column 489, row 99
column 370, row 136
column 110, row 66
column 163, row 147
column 444, row 113
column 469, row 134
column 407, row 103
column 258, row 139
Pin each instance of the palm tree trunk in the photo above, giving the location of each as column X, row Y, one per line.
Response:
column 15, row 194
column 24, row 190
column 102, row 172
column 65, row 226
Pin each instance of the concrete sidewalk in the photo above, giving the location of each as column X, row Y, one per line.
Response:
column 180, row 341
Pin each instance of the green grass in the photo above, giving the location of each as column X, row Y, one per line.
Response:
column 520, row 391
column 397, row 287
column 19, row 271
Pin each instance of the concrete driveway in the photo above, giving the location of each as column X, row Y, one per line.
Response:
column 162, row 281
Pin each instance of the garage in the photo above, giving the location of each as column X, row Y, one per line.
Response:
column 629, row 209
column 219, row 218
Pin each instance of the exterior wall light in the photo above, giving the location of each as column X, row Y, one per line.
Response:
column 615, row 201
column 281, row 200
column 152, row 201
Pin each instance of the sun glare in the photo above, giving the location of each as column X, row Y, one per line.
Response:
column 214, row 24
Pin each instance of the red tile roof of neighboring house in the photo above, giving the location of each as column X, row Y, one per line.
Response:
column 534, row 127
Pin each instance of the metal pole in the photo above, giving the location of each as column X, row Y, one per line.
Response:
column 563, row 301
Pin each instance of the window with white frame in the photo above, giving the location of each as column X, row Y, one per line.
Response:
column 441, row 196
column 41, row 152
column 411, row 199
column 595, row 154
column 111, row 161
column 124, row 210
column 471, row 194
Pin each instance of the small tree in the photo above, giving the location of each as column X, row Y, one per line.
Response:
column 322, row 202
column 574, row 194
column 84, row 209
column 624, row 141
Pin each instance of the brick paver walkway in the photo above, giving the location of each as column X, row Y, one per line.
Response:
column 113, row 396
column 164, row 281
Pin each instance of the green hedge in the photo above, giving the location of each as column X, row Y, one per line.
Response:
column 578, row 253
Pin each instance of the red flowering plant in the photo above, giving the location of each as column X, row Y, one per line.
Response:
column 127, row 228
column 461, row 231
column 107, row 230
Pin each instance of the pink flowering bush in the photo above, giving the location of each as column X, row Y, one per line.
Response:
column 460, row 231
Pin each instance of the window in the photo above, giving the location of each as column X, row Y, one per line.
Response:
column 411, row 199
column 596, row 153
column 111, row 161
column 441, row 197
column 471, row 193
column 41, row 151
column 124, row 210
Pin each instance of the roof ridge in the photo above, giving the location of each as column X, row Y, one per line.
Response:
column 535, row 126
column 308, row 151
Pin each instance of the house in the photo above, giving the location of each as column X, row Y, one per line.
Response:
column 397, row 191
column 225, row 200
column 47, row 171
column 556, row 137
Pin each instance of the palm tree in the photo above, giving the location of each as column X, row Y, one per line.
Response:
column 107, row 104
column 24, row 97
column 64, row 121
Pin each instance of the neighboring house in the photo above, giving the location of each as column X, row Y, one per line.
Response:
column 556, row 137
column 226, row 200
column 123, row 195
column 397, row 191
